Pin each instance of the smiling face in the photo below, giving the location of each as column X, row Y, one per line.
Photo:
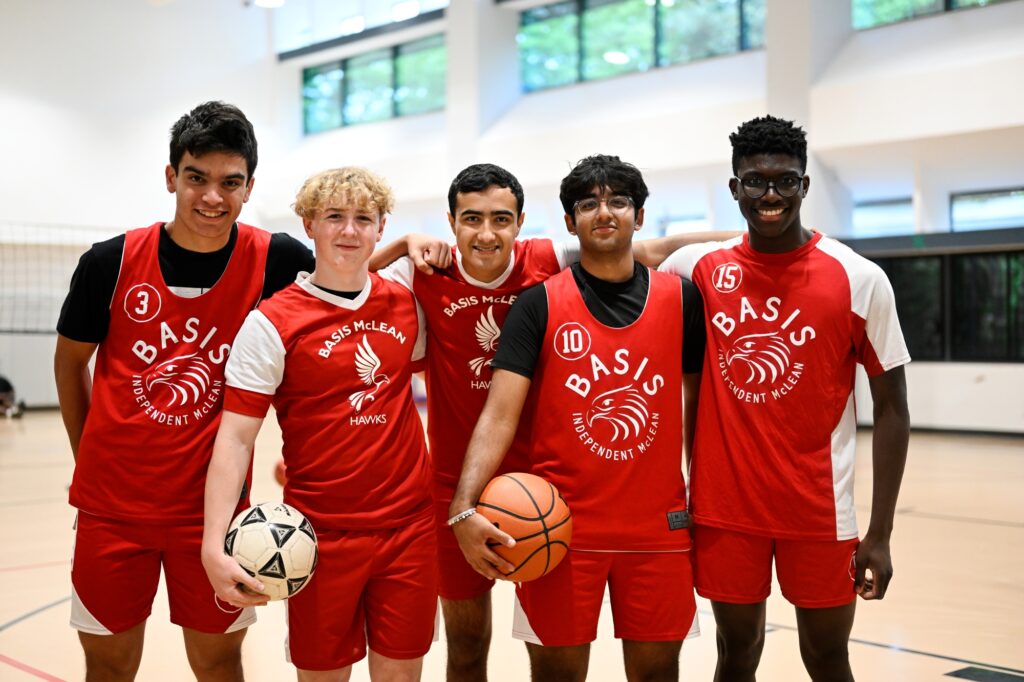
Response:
column 609, row 228
column 344, row 236
column 486, row 225
column 773, row 220
column 209, row 193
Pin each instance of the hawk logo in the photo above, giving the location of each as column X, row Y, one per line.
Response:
column 368, row 369
column 187, row 377
column 487, row 334
column 624, row 408
column 765, row 355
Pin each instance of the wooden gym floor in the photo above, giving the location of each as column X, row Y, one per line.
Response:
column 955, row 609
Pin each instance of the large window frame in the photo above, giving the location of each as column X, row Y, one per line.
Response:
column 978, row 281
column 911, row 13
column 746, row 38
column 394, row 55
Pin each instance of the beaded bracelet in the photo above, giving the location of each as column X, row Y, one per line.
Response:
column 461, row 516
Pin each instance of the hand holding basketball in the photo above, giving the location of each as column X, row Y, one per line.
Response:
column 477, row 536
column 535, row 514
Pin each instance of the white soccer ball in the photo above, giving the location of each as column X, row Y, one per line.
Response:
column 275, row 543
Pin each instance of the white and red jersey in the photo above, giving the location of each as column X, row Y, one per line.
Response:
column 159, row 377
column 774, row 449
column 607, row 419
column 464, row 318
column 338, row 373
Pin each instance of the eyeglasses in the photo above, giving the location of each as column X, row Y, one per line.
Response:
column 755, row 187
column 619, row 204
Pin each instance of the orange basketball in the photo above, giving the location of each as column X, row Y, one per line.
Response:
column 279, row 473
column 533, row 512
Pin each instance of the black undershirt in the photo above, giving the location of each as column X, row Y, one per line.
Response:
column 615, row 304
column 85, row 315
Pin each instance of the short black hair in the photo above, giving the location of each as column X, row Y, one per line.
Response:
column 479, row 177
column 769, row 135
column 214, row 127
column 602, row 170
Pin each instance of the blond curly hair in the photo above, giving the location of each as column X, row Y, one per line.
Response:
column 346, row 186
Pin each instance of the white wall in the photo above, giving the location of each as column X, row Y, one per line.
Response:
column 89, row 90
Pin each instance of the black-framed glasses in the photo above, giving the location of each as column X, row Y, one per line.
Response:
column 619, row 204
column 755, row 186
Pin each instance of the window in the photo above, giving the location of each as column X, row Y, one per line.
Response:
column 987, row 307
column 420, row 68
column 965, row 307
column 321, row 97
column 579, row 40
column 394, row 81
column 618, row 37
column 871, row 13
column 549, row 48
column 883, row 218
column 368, row 92
column 987, row 210
column 917, row 284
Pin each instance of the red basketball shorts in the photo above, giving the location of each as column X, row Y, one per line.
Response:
column 651, row 597
column 736, row 568
column 457, row 578
column 376, row 587
column 116, row 570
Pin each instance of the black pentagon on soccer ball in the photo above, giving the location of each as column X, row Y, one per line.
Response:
column 255, row 515
column 307, row 529
column 273, row 568
column 280, row 532
column 295, row 584
column 229, row 542
column 316, row 559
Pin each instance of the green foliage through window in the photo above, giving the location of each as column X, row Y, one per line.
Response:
column 374, row 86
column 579, row 40
column 871, row 13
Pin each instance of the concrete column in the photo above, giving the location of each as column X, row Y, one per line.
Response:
column 802, row 37
column 483, row 73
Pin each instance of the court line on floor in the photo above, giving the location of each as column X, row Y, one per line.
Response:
column 962, row 519
column 34, row 612
column 918, row 652
column 29, row 669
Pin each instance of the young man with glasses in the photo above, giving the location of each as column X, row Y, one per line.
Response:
column 596, row 356
column 465, row 306
column 790, row 313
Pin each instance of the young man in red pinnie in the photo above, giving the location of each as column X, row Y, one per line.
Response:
column 600, row 356
column 160, row 306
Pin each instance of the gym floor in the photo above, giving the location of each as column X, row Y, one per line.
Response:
column 955, row 608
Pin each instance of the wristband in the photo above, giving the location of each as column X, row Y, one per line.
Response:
column 461, row 516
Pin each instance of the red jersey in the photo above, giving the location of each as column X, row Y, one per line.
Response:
column 774, row 449
column 156, row 396
column 607, row 419
column 338, row 374
column 464, row 319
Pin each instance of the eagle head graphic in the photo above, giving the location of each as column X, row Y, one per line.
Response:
column 187, row 377
column 765, row 355
column 625, row 409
